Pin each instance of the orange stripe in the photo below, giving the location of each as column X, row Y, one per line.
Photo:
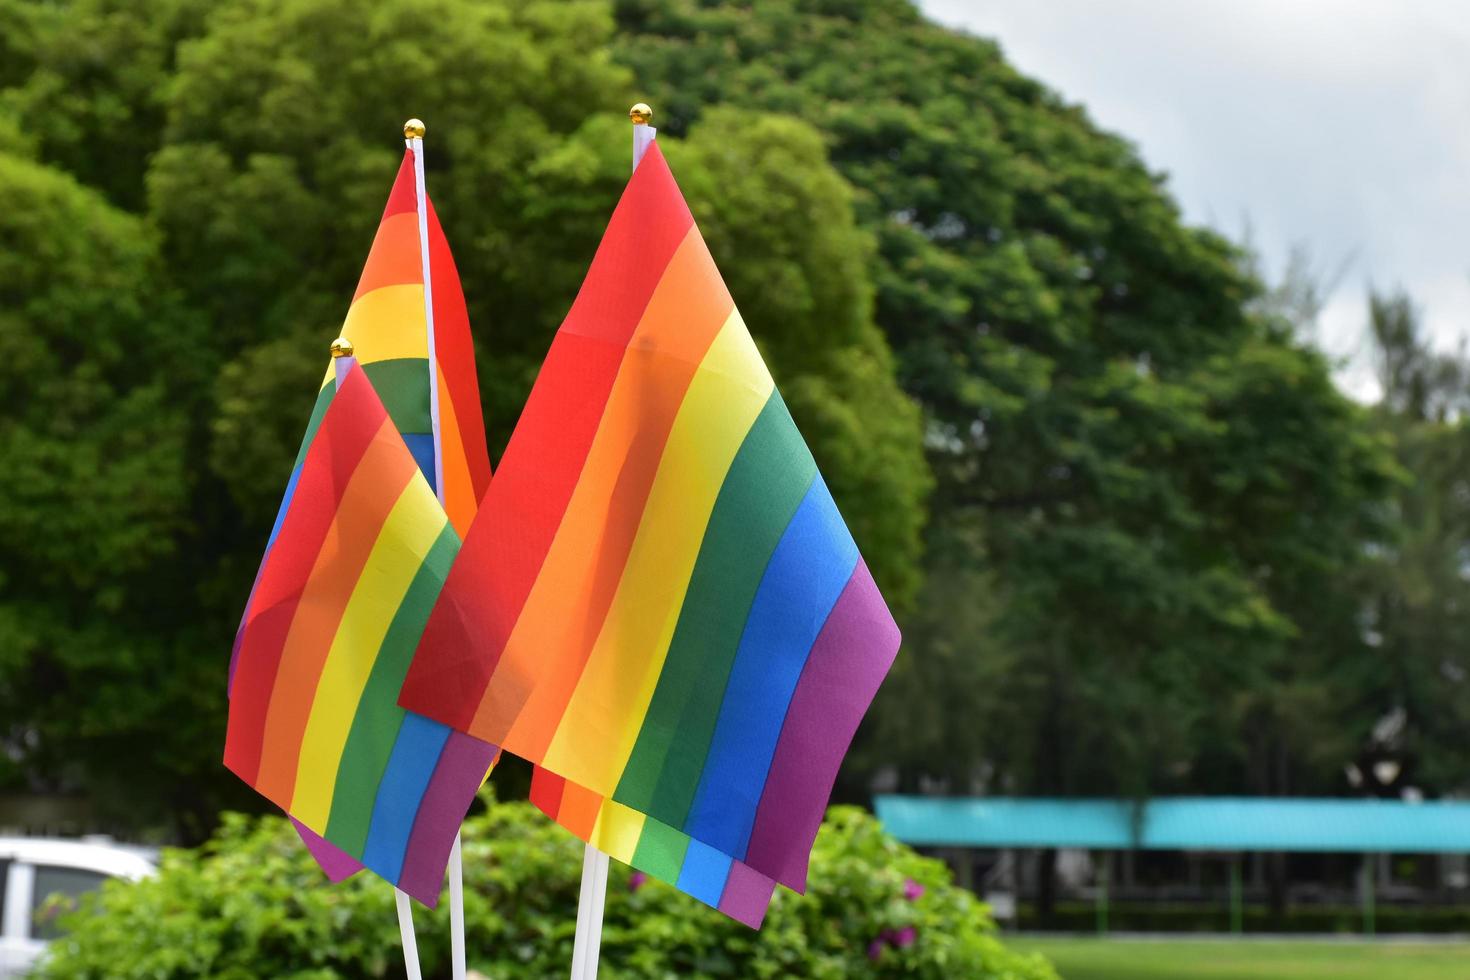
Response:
column 459, row 491
column 394, row 259
column 578, row 810
column 374, row 487
column 544, row 656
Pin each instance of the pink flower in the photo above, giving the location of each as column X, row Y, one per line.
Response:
column 636, row 880
column 912, row 890
column 904, row 938
column 875, row 949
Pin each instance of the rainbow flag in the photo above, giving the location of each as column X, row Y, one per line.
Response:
column 314, row 726
column 389, row 330
column 659, row 603
column 337, row 606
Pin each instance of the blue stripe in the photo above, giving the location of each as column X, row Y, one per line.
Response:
column 704, row 872
column 807, row 572
column 421, row 445
column 285, row 506
column 409, row 769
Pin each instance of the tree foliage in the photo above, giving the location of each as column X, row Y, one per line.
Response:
column 1417, row 592
column 203, row 185
column 98, row 499
column 1139, row 540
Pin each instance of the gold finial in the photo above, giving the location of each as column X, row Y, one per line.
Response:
column 413, row 129
column 341, row 347
column 641, row 114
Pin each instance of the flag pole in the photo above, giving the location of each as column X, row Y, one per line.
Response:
column 343, row 362
column 405, row 929
column 587, row 946
column 413, row 138
column 641, row 115
column 584, row 909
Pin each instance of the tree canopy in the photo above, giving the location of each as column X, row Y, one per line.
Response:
column 1133, row 530
column 210, row 175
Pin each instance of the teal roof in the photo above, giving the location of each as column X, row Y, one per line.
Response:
column 1187, row 823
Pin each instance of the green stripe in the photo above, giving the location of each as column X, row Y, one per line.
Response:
column 766, row 483
column 403, row 385
column 318, row 411
column 375, row 725
column 660, row 851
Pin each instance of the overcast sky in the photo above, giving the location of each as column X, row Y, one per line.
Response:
column 1343, row 125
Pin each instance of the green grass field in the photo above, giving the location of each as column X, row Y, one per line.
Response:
column 1127, row 959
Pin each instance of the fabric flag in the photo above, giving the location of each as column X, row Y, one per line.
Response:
column 402, row 783
column 314, row 725
column 659, row 603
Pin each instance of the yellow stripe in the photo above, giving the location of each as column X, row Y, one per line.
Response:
column 385, row 324
column 617, row 831
column 412, row 527
column 601, row 722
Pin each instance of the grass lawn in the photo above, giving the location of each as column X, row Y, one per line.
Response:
column 1144, row 959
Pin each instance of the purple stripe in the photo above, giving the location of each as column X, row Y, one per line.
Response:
column 457, row 777
column 848, row 661
column 335, row 862
column 747, row 895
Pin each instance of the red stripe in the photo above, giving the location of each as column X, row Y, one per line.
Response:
column 546, row 791
column 353, row 418
column 520, row 513
column 383, row 473
column 455, row 351
column 403, row 196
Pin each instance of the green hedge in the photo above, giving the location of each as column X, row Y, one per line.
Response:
column 1140, row 917
column 251, row 904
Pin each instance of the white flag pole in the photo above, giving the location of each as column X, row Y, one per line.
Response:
column 413, row 133
column 584, row 911
column 643, row 134
column 342, row 363
column 594, row 917
column 587, row 947
column 456, row 909
column 413, row 138
column 405, row 929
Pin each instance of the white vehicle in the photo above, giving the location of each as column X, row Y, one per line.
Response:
column 34, row 868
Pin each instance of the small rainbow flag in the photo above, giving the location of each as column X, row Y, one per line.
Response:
column 388, row 327
column 314, row 725
column 659, row 603
column 359, row 550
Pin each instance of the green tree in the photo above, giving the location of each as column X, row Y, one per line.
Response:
column 1418, row 594
column 97, row 496
column 251, row 144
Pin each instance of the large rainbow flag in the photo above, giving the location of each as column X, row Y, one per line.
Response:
column 659, row 603
column 359, row 550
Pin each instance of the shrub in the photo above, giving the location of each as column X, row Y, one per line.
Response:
column 251, row 904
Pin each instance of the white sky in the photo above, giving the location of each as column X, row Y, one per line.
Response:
column 1343, row 125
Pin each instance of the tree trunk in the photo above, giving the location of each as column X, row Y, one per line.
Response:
column 1046, row 887
column 1276, row 886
